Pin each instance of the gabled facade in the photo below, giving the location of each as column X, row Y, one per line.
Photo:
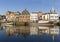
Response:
column 17, row 16
column 10, row 16
column 25, row 16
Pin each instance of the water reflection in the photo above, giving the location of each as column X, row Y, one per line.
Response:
column 33, row 32
column 11, row 30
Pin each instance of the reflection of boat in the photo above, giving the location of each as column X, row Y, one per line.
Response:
column 6, row 25
column 45, row 24
column 43, row 29
column 9, row 23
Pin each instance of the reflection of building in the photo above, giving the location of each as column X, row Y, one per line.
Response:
column 3, row 18
column 49, row 30
column 17, row 30
column 43, row 30
column 33, row 30
column 34, row 17
column 54, row 30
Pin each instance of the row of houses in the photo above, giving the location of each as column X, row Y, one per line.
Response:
column 39, row 17
column 52, row 16
column 17, row 16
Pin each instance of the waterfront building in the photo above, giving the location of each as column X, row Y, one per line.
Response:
column 3, row 18
column 54, row 17
column 34, row 17
column 10, row 16
column 45, row 18
column 17, row 14
column 25, row 16
column 40, row 16
column 59, row 18
column 0, row 18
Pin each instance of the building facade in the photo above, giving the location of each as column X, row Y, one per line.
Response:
column 34, row 17
column 44, row 18
column 10, row 16
column 25, row 16
column 17, row 16
column 40, row 16
column 54, row 17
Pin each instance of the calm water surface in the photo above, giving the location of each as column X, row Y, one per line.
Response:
column 32, row 33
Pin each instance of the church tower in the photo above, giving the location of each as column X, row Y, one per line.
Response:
column 52, row 11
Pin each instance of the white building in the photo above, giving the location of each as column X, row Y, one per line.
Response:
column 54, row 16
column 34, row 17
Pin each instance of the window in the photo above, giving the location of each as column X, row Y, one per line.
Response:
column 52, row 16
column 56, row 30
column 52, row 30
column 40, row 18
column 56, row 16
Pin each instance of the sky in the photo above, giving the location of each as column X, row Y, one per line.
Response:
column 30, row 5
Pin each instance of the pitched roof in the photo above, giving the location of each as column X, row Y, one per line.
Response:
column 25, row 12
